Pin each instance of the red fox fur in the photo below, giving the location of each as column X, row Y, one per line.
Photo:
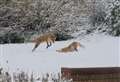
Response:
column 72, row 47
column 49, row 38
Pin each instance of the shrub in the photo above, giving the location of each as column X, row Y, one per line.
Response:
column 114, row 21
column 97, row 18
column 62, row 36
column 12, row 37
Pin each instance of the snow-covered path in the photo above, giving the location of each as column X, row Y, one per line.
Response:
column 98, row 52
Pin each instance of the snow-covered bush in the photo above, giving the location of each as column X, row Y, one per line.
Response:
column 63, row 36
column 5, row 76
column 97, row 18
column 40, row 16
column 21, row 76
column 98, row 14
column 11, row 37
column 30, row 17
column 113, row 26
column 111, row 23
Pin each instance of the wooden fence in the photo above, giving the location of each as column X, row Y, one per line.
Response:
column 109, row 74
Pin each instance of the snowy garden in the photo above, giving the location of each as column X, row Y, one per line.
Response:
column 93, row 23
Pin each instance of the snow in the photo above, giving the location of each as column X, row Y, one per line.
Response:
column 99, row 51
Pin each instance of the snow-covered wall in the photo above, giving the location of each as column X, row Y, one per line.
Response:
column 99, row 51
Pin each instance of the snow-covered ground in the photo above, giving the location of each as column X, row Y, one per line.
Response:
column 99, row 51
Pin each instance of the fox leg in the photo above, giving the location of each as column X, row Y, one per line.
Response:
column 76, row 49
column 36, row 45
column 47, row 44
column 50, row 44
column 53, row 40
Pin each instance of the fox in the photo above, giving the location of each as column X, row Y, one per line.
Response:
column 49, row 38
column 74, row 46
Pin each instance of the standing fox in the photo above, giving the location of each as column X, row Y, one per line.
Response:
column 49, row 38
column 72, row 47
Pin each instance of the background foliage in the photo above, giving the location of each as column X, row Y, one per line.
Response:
column 27, row 18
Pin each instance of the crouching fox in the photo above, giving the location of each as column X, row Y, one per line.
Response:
column 49, row 38
column 74, row 46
